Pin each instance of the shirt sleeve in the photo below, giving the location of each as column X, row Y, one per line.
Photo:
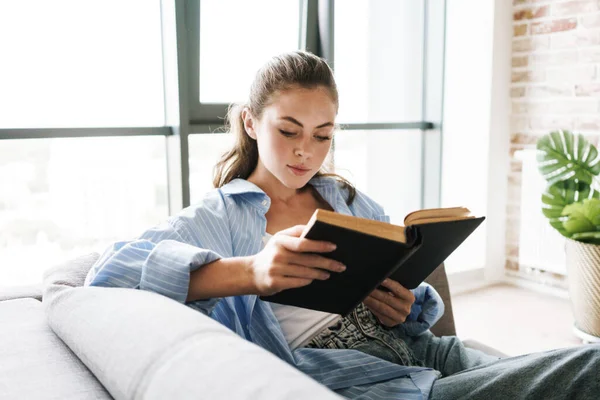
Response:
column 365, row 207
column 427, row 309
column 162, row 258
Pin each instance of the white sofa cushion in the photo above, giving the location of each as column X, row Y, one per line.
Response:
column 36, row 364
column 143, row 345
column 21, row 292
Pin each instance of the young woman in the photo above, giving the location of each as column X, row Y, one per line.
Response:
column 242, row 240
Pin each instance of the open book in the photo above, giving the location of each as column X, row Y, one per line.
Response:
column 373, row 251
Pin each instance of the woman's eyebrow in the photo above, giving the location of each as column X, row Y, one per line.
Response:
column 295, row 121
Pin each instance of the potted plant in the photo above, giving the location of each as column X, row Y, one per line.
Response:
column 571, row 202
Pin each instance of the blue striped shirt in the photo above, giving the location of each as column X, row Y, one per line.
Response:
column 230, row 222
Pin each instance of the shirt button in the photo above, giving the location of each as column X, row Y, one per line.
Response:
column 264, row 202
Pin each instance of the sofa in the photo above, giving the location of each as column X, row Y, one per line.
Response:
column 66, row 341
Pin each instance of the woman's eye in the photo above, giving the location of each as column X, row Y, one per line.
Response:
column 286, row 133
column 322, row 138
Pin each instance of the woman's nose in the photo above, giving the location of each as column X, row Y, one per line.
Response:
column 303, row 151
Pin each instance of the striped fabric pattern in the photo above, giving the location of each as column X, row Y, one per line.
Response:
column 230, row 222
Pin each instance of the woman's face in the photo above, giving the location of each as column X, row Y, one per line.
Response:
column 294, row 134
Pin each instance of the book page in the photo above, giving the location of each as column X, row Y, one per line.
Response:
column 370, row 227
column 437, row 215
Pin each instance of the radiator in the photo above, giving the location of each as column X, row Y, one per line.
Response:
column 540, row 246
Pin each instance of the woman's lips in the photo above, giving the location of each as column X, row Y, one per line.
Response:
column 297, row 170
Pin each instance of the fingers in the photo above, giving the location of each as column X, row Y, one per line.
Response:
column 285, row 283
column 297, row 271
column 398, row 290
column 296, row 282
column 391, row 300
column 301, row 245
column 384, row 319
column 376, row 305
column 316, row 261
column 294, row 276
column 294, row 231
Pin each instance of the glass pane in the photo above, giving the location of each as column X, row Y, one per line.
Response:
column 62, row 198
column 378, row 60
column 205, row 151
column 465, row 183
column 385, row 165
column 236, row 38
column 72, row 63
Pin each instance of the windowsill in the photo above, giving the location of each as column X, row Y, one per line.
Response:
column 466, row 281
column 514, row 320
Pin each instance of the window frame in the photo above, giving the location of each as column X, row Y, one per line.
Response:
column 185, row 115
column 317, row 36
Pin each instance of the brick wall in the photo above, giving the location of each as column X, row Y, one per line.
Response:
column 555, row 84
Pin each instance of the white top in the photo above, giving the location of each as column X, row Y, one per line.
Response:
column 300, row 325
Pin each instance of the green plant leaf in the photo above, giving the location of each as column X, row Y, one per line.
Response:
column 583, row 216
column 559, row 195
column 587, row 237
column 562, row 156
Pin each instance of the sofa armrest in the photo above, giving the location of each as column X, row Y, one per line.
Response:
column 439, row 280
column 35, row 363
column 21, row 292
column 140, row 344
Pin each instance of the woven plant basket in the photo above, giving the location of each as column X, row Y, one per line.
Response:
column 583, row 269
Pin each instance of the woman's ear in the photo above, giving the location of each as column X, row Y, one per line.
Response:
column 249, row 123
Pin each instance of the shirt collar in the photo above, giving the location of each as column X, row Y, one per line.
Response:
column 323, row 184
column 240, row 186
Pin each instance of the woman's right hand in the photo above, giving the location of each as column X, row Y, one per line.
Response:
column 286, row 262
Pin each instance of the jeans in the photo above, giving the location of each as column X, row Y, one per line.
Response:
column 361, row 331
column 571, row 373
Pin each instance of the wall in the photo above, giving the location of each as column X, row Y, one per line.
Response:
column 555, row 85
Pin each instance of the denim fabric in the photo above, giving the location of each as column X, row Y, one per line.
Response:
column 361, row 331
column 571, row 373
column 446, row 354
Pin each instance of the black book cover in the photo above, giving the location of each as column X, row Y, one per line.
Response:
column 370, row 259
column 438, row 241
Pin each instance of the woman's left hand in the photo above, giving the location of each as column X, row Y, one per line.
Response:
column 391, row 308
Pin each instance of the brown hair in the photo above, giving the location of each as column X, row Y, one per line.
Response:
column 288, row 70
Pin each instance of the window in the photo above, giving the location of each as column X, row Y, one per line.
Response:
column 205, row 151
column 384, row 164
column 62, row 198
column 97, row 73
column 71, row 63
column 379, row 60
column 236, row 37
